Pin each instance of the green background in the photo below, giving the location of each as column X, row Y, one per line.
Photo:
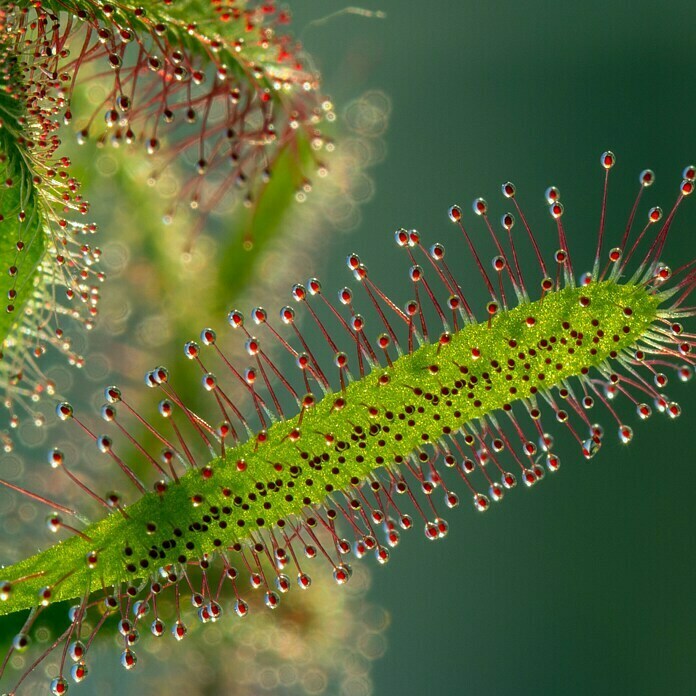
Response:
column 585, row 584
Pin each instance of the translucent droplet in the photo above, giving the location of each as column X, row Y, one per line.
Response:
column 59, row 686
column 78, row 672
column 552, row 194
column 509, row 480
column 45, row 594
column 451, row 500
column 545, row 442
column 128, row 659
column 382, row 555
column 644, row 411
column 625, row 434
column 529, row 478
column 179, row 630
column 282, row 583
column 673, row 409
column 590, row 447
column 496, row 491
column 481, row 502
column 608, row 159
column 552, row 462
column 303, row 581
column 342, row 573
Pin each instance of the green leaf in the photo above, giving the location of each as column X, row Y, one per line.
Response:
column 22, row 238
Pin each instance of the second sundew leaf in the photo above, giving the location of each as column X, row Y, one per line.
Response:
column 215, row 85
column 22, row 238
column 377, row 421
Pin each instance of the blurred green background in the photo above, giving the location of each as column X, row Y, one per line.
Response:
column 585, row 584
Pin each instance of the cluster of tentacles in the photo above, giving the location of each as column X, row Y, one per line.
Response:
column 370, row 432
column 215, row 89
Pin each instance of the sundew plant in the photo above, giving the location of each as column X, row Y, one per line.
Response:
column 525, row 338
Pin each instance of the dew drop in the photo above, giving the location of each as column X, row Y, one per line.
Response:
column 241, row 608
column 496, row 492
column 128, row 659
column 529, row 477
column 590, row 447
column 111, row 118
column 5, row 590
column 585, row 280
column 303, row 581
column 342, row 573
column 55, row 458
column 546, row 442
column 498, row 263
column 673, row 409
column 20, row 642
column 140, row 608
column 123, row 103
column 59, row 686
column 79, row 672
column 442, row 527
column 179, row 630
column 54, row 522
column 644, row 411
column 625, row 434
column 660, row 402
column 430, row 530
column 660, row 379
column 157, row 628
column 271, row 600
column 282, row 583
column 451, row 500
column 382, row 555
column 556, row 210
column 647, row 178
column 552, row 462
column 479, row 206
column 608, row 159
column 481, row 502
column 64, row 410
column 685, row 373
column 552, row 194
column 393, row 538
column 509, row 480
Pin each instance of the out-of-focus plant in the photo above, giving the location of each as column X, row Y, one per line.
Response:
column 216, row 87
